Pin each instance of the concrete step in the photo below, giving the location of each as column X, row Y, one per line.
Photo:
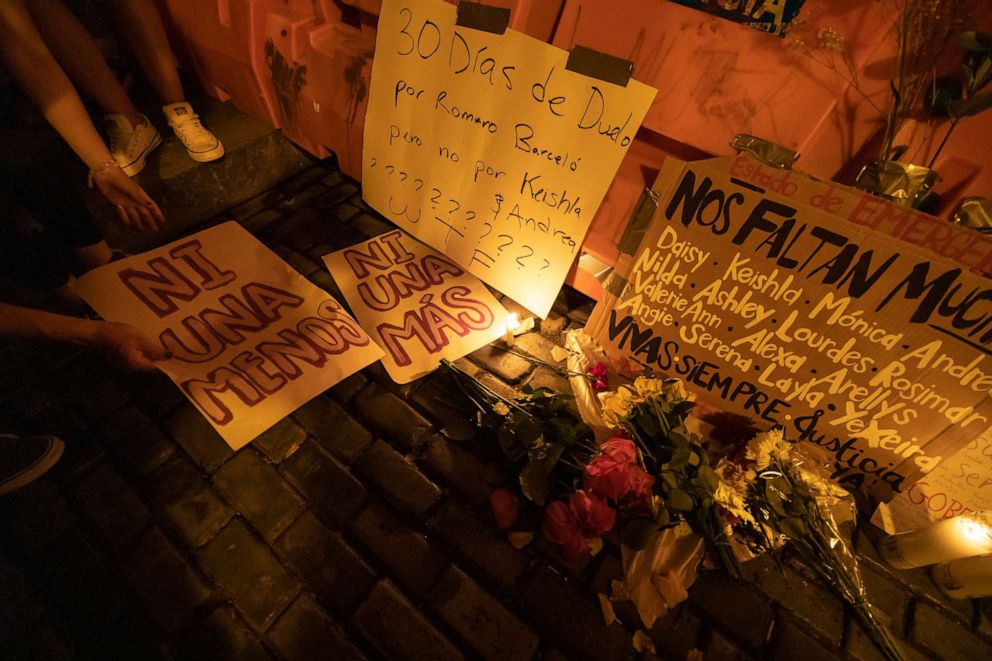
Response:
column 189, row 193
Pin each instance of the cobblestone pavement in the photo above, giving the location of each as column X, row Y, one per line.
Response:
column 352, row 528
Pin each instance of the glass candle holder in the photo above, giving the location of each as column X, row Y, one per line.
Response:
column 950, row 539
column 968, row 577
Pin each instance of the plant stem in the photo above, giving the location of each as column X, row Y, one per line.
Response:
column 943, row 142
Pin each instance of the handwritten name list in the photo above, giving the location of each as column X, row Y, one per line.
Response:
column 873, row 350
column 487, row 148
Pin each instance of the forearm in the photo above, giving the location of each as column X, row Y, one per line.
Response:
column 34, row 67
column 25, row 323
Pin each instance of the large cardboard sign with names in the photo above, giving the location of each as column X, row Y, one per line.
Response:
column 417, row 304
column 485, row 147
column 251, row 339
column 771, row 298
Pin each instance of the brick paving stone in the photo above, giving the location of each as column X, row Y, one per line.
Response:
column 492, row 630
column 99, row 397
column 889, row 598
column 304, row 629
column 165, row 583
column 498, row 386
column 398, row 630
column 732, row 604
column 720, row 647
column 545, row 378
column 335, row 195
column 187, row 501
column 412, row 561
column 154, row 392
column 333, row 493
column 220, row 635
column 324, row 280
column 333, row 429
column 385, row 413
column 301, row 198
column 370, row 225
column 398, row 479
column 82, row 450
column 791, row 640
column 300, row 263
column 459, row 468
column 135, row 440
column 941, row 635
column 571, row 619
column 49, row 644
column 677, row 632
column 192, row 431
column 257, row 223
column 259, row 493
column 292, row 221
column 328, row 566
column 346, row 389
column 247, row 571
column 858, row 645
column 538, row 346
column 303, row 179
column 481, row 546
column 333, row 178
column 35, row 516
column 818, row 608
column 344, row 212
column 17, row 624
column 110, row 505
column 502, row 363
column 440, row 403
column 255, row 204
column 280, row 440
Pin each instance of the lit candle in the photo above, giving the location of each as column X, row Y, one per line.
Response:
column 969, row 577
column 959, row 537
column 512, row 323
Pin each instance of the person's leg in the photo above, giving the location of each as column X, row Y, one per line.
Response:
column 78, row 54
column 140, row 25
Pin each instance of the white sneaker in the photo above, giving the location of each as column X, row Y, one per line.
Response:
column 130, row 145
column 201, row 144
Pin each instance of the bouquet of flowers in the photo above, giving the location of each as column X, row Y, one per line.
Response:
column 654, row 411
column 535, row 430
column 794, row 502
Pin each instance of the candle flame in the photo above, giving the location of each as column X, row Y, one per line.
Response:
column 975, row 531
column 512, row 322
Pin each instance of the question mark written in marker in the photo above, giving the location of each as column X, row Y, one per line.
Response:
column 522, row 257
column 509, row 240
column 373, row 162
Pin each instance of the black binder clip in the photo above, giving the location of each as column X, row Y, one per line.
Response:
column 478, row 16
column 598, row 65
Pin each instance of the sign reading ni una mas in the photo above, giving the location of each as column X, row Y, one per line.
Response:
column 869, row 348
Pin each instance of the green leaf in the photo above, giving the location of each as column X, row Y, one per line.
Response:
column 637, row 533
column 534, row 478
column 972, row 106
column 708, row 478
column 944, row 91
column 973, row 41
column 680, row 500
column 459, row 430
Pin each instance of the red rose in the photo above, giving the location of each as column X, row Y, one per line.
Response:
column 561, row 528
column 505, row 506
column 569, row 523
column 641, row 485
column 594, row 517
column 619, row 447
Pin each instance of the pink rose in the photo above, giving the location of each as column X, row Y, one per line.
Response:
column 615, row 473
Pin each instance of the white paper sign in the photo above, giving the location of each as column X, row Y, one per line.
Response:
column 251, row 339
column 417, row 304
column 487, row 148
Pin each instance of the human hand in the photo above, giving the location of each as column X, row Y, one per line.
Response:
column 126, row 346
column 134, row 208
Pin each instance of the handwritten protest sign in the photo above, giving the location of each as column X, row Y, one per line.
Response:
column 251, row 340
column 487, row 148
column 959, row 485
column 872, row 350
column 417, row 304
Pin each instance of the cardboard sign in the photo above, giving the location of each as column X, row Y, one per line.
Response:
column 251, row 339
column 872, row 350
column 772, row 16
column 486, row 147
column 418, row 305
